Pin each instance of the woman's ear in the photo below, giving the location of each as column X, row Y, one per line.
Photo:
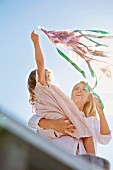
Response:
column 88, row 99
column 71, row 95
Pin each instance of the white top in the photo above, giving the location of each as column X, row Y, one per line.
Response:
column 68, row 143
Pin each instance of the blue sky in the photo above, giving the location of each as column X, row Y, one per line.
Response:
column 17, row 20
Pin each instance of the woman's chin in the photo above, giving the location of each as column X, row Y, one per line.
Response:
column 77, row 100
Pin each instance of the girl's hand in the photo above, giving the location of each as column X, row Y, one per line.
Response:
column 63, row 125
column 34, row 37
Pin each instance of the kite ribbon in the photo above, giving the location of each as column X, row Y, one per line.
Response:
column 72, row 63
column 83, row 74
column 100, row 101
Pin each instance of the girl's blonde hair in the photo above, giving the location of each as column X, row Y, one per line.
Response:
column 90, row 107
column 31, row 83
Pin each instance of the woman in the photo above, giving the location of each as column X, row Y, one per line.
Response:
column 99, row 128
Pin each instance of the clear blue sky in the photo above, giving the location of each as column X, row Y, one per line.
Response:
column 17, row 20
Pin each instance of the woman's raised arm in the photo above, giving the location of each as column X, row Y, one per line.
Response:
column 104, row 127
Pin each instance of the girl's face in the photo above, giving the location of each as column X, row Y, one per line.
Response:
column 79, row 94
column 48, row 76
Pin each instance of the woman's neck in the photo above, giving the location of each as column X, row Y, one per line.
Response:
column 80, row 106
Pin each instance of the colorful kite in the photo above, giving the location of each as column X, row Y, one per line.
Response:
column 82, row 43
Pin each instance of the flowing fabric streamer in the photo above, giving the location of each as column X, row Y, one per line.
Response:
column 82, row 43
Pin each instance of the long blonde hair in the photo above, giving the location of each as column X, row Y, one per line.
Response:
column 31, row 83
column 89, row 108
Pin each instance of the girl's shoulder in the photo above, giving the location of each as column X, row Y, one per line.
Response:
column 39, row 85
column 42, row 88
column 38, row 88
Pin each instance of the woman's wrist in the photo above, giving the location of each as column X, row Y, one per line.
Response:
column 46, row 123
column 100, row 112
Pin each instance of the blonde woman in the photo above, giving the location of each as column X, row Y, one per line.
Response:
column 51, row 103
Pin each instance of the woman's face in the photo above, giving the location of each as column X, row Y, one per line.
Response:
column 79, row 95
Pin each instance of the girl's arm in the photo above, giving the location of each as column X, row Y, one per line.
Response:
column 39, row 59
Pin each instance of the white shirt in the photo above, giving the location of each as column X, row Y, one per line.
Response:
column 68, row 143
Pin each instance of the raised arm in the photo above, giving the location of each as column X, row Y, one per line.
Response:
column 39, row 58
column 104, row 127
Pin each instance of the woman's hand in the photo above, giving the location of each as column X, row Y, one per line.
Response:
column 62, row 125
column 104, row 127
column 34, row 37
column 98, row 107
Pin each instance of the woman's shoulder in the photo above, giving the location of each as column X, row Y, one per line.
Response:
column 95, row 119
column 95, row 122
column 92, row 119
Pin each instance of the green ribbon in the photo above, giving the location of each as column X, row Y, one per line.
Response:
column 93, row 75
column 72, row 63
column 83, row 74
column 86, row 87
column 99, row 31
column 79, row 69
column 97, row 44
column 91, row 71
column 100, row 101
